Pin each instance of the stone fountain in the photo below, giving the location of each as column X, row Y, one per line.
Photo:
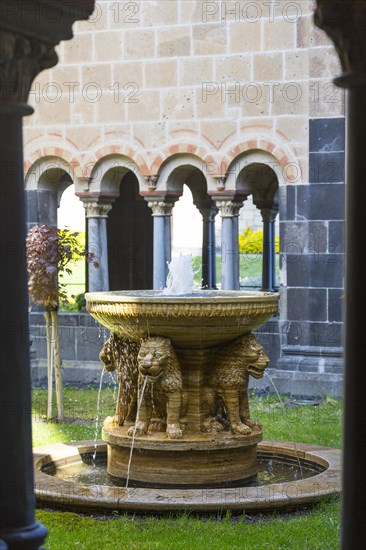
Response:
column 182, row 437
column 183, row 363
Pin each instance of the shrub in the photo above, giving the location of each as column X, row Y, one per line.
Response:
column 251, row 242
column 80, row 301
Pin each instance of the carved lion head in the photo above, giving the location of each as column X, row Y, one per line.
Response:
column 154, row 356
column 256, row 361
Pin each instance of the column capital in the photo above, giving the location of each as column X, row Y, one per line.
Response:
column 229, row 208
column 161, row 207
column 268, row 215
column 97, row 208
column 344, row 23
column 28, row 38
column 21, row 59
column 208, row 211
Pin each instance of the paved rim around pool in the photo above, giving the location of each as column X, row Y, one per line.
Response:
column 276, row 496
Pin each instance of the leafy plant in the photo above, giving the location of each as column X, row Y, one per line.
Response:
column 49, row 253
column 80, row 301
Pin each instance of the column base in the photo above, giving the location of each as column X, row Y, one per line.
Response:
column 29, row 538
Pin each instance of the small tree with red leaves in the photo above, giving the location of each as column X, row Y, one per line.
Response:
column 49, row 253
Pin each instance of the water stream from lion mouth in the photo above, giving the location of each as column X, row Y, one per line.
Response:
column 98, row 414
column 134, row 431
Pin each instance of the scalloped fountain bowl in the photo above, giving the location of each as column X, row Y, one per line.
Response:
column 197, row 320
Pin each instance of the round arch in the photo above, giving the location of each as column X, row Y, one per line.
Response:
column 263, row 150
column 190, row 170
column 45, row 182
column 256, row 173
column 254, row 158
column 48, row 173
column 132, row 154
column 107, row 174
column 195, row 148
column 181, row 168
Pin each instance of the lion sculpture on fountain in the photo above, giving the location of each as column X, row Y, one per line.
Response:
column 226, row 394
column 160, row 380
column 120, row 354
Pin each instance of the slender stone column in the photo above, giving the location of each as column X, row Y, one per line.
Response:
column 345, row 23
column 214, row 212
column 27, row 47
column 208, row 245
column 269, row 250
column 229, row 211
column 168, row 238
column 96, row 215
column 161, row 212
column 236, row 256
column 206, row 249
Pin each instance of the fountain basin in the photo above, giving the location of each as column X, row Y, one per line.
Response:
column 284, row 496
column 199, row 320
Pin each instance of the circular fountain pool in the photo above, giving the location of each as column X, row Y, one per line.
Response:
column 288, row 477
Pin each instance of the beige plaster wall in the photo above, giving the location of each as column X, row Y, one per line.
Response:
column 151, row 79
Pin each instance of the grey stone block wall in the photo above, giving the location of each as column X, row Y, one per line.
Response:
column 41, row 207
column 312, row 265
column 269, row 337
column 297, row 383
column 81, row 341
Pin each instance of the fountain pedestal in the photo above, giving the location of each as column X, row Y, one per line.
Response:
column 201, row 459
column 193, row 356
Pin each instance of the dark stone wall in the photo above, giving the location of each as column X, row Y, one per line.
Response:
column 269, row 337
column 41, row 207
column 312, row 255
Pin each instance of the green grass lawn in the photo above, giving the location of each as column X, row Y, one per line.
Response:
column 317, row 529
